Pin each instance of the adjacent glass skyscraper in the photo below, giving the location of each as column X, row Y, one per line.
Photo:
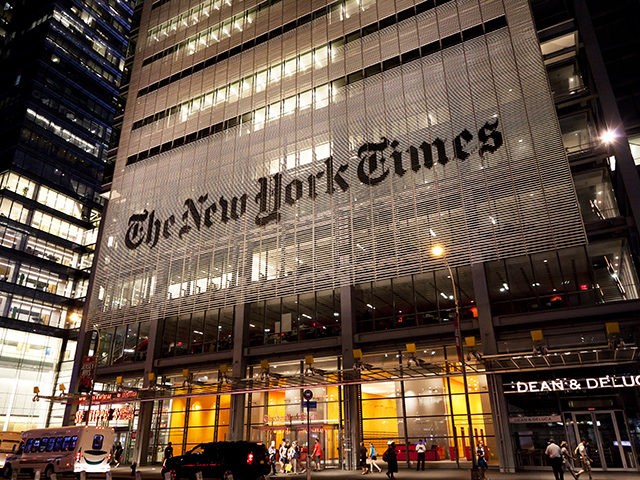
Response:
column 60, row 74
column 283, row 171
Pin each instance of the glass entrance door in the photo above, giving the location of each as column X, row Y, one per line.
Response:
column 610, row 446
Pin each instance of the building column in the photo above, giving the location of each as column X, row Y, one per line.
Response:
column 499, row 411
column 238, row 369
column 353, row 411
column 145, row 428
column 485, row 318
column 500, row 414
column 143, row 433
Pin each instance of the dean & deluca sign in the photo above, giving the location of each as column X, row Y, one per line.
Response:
column 573, row 384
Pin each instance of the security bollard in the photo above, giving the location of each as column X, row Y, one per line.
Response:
column 36, row 476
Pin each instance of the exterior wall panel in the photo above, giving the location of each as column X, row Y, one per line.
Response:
column 358, row 187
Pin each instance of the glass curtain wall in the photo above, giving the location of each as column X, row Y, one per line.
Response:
column 19, row 350
column 186, row 418
column 432, row 408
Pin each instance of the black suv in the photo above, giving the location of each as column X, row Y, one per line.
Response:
column 244, row 460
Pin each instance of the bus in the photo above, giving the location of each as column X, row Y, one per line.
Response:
column 62, row 450
column 9, row 442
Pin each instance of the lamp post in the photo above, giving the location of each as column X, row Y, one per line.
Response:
column 439, row 251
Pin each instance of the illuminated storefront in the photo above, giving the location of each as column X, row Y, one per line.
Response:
column 600, row 407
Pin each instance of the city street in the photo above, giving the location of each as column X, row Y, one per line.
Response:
column 153, row 473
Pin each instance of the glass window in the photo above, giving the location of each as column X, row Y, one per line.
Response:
column 66, row 443
column 578, row 133
column 274, row 73
column 322, row 96
column 225, row 329
column 97, row 442
column 29, row 444
column 261, row 81
column 305, row 61
column 595, row 195
column 58, row 444
column 306, row 99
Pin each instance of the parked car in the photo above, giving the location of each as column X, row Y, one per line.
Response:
column 244, row 460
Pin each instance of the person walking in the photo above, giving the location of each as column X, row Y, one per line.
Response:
column 391, row 458
column 373, row 456
column 583, row 454
column 362, row 459
column 567, row 459
column 481, row 454
column 293, row 454
column 273, row 453
column 117, row 454
column 554, row 453
column 168, row 451
column 421, row 450
column 282, row 453
column 316, row 455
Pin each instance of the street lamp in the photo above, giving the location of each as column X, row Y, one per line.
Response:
column 440, row 252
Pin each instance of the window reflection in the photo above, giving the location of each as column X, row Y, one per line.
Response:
column 595, row 194
column 295, row 318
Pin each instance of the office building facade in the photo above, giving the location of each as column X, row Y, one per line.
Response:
column 61, row 67
column 285, row 169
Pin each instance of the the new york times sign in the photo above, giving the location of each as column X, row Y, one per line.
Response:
column 376, row 162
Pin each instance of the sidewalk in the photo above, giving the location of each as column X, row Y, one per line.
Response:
column 153, row 473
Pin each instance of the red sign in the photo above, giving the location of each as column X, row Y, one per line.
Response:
column 104, row 415
column 87, row 371
column 109, row 397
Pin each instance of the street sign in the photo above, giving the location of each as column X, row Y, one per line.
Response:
column 310, row 405
column 307, row 394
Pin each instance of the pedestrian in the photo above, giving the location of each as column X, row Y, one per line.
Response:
column 273, row 453
column 293, row 454
column 282, row 452
column 567, row 459
column 554, row 453
column 481, row 453
column 391, row 458
column 373, row 456
column 362, row 459
column 168, row 451
column 117, row 454
column 421, row 450
column 316, row 455
column 585, row 460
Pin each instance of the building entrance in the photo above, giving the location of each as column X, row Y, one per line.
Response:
column 610, row 443
column 327, row 434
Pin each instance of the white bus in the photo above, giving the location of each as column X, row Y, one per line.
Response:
column 62, row 450
column 9, row 442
